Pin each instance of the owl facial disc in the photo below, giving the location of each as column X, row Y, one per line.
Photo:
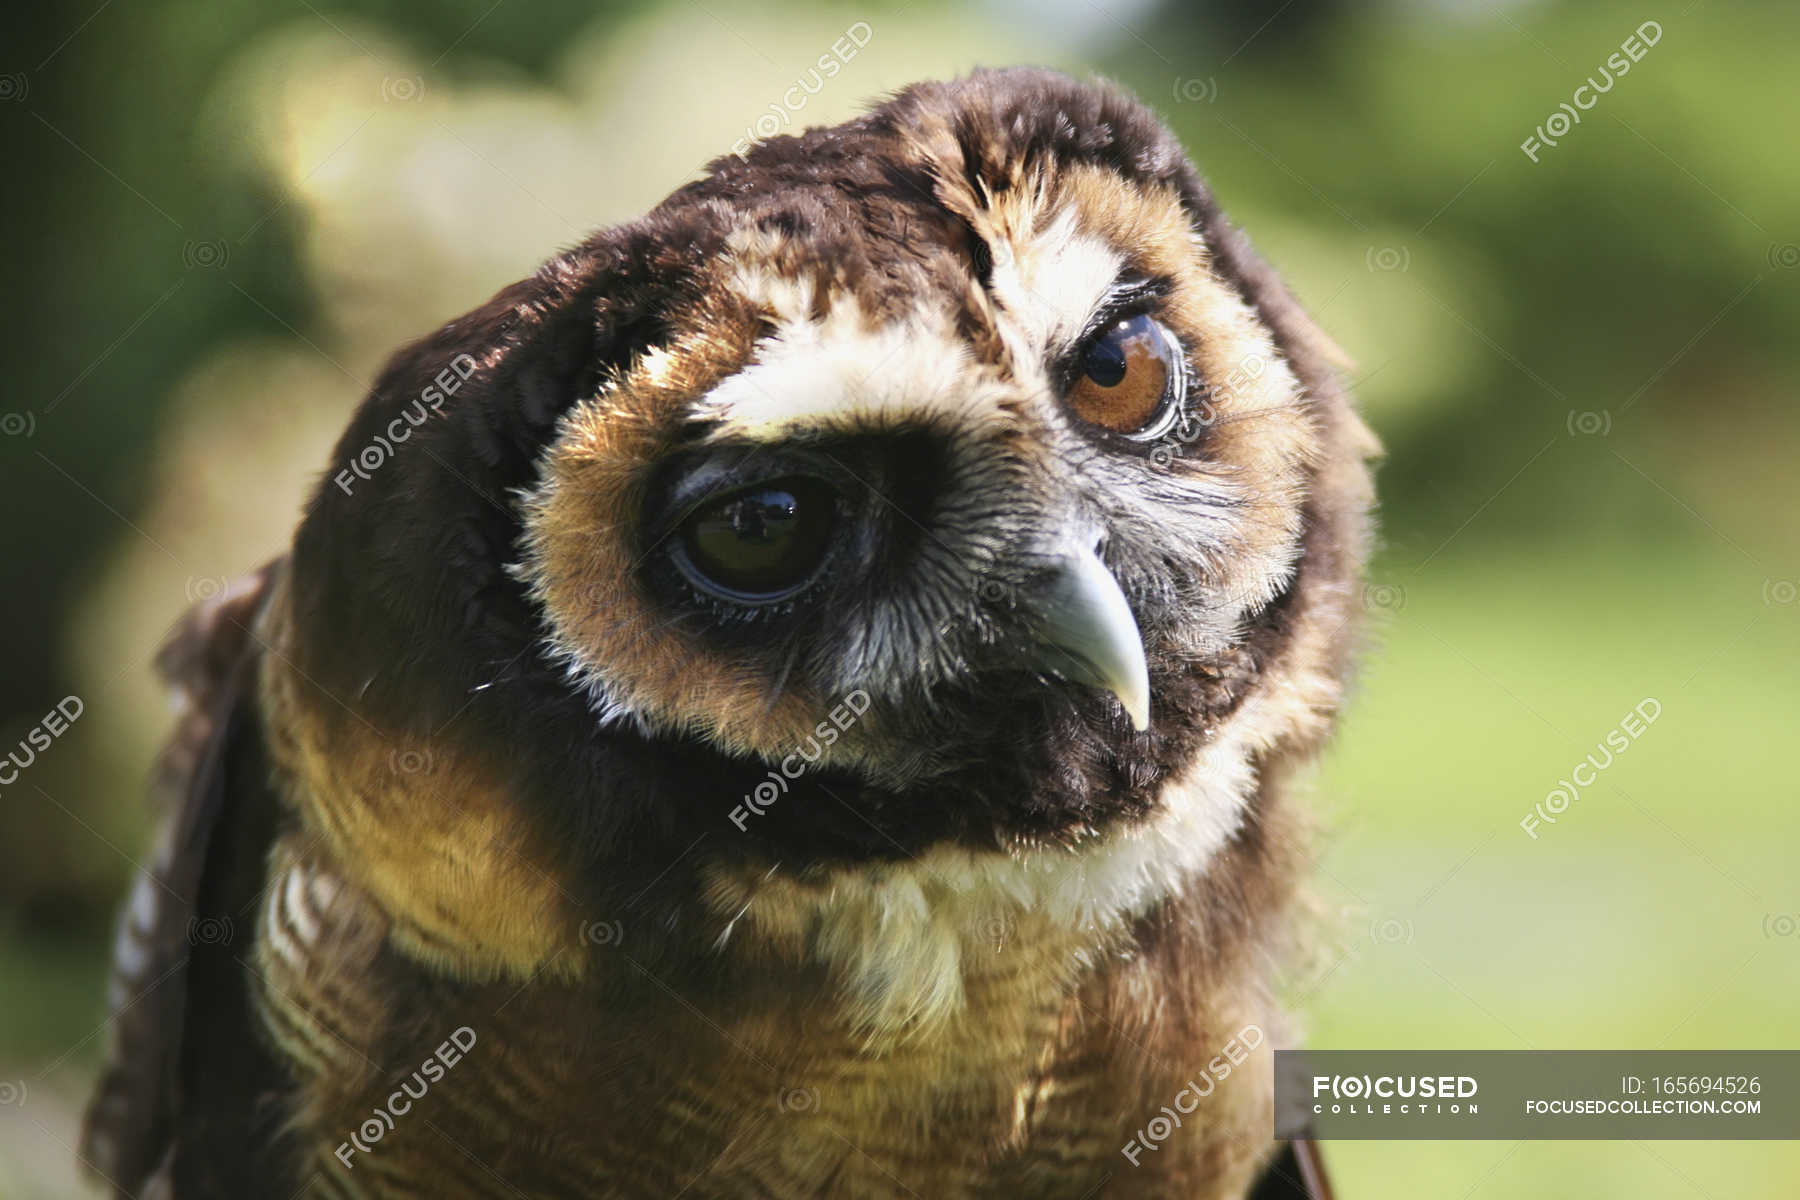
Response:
column 1088, row 635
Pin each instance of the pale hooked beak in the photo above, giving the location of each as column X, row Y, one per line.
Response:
column 1087, row 633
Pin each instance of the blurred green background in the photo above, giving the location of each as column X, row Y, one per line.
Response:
column 220, row 217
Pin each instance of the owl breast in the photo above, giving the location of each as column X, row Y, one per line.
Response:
column 621, row 1083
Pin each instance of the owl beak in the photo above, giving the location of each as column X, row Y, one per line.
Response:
column 1087, row 634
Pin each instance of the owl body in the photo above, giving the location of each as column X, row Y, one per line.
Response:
column 809, row 716
column 742, row 1085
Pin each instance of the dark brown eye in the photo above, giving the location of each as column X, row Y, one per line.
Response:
column 760, row 543
column 1129, row 380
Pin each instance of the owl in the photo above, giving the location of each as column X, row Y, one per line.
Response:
column 798, row 697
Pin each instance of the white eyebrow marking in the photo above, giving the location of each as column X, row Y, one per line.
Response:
column 841, row 372
column 1051, row 285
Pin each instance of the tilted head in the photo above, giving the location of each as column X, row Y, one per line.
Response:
column 962, row 449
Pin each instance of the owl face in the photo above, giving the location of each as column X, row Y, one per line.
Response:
column 995, row 436
column 962, row 448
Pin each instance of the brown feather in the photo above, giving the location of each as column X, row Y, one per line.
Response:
column 209, row 661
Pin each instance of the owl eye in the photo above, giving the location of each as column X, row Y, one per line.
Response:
column 760, row 543
column 1129, row 379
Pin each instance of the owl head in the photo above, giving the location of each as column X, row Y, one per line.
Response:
column 958, row 468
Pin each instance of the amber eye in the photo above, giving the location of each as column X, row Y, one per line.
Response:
column 1129, row 380
column 762, row 542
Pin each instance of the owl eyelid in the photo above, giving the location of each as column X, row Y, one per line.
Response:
column 1126, row 298
column 703, row 480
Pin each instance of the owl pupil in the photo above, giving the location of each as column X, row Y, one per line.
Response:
column 762, row 542
column 1104, row 362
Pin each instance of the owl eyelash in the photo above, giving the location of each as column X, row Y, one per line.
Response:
column 1126, row 298
column 727, row 614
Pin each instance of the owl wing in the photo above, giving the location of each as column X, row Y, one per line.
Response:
column 185, row 1067
column 1298, row 1173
